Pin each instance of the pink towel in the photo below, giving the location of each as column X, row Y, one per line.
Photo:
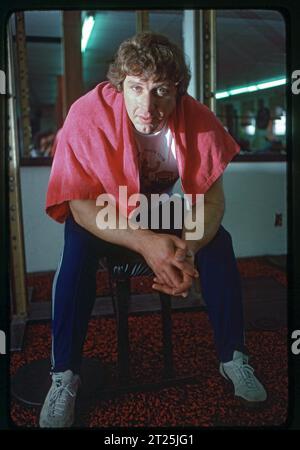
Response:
column 96, row 152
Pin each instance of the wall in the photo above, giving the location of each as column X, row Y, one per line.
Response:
column 254, row 193
column 43, row 236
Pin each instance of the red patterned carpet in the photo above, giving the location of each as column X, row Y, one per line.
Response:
column 208, row 402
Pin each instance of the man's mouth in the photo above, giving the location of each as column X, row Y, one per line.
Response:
column 146, row 120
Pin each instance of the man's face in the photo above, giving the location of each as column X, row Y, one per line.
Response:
column 148, row 103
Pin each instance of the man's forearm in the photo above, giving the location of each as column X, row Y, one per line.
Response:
column 85, row 214
column 213, row 214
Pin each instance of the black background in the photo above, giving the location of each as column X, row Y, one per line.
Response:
column 291, row 12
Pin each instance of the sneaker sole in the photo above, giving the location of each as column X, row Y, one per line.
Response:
column 247, row 403
column 250, row 404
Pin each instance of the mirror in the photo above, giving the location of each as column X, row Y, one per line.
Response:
column 251, row 96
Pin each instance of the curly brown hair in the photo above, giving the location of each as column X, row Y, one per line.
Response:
column 150, row 55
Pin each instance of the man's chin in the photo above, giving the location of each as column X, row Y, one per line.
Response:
column 148, row 128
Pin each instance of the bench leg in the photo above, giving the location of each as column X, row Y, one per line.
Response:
column 165, row 301
column 122, row 302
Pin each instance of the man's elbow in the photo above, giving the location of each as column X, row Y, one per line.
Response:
column 222, row 208
column 217, row 208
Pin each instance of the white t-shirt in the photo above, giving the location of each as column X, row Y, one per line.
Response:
column 157, row 161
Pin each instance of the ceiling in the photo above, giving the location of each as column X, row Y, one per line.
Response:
column 250, row 46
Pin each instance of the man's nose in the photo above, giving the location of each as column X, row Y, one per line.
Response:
column 148, row 102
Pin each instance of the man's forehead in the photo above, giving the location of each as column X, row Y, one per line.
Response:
column 142, row 80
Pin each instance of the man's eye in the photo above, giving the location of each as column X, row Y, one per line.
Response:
column 161, row 91
column 137, row 89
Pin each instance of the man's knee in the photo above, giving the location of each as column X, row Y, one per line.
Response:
column 224, row 236
column 221, row 243
column 221, row 239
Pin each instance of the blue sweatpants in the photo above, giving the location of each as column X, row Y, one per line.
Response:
column 74, row 292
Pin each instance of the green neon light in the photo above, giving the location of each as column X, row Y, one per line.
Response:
column 87, row 28
column 251, row 88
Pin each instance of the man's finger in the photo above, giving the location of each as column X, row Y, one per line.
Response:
column 185, row 285
column 181, row 290
column 166, row 279
column 185, row 267
column 158, row 280
column 162, row 288
column 173, row 274
column 180, row 243
column 180, row 254
column 167, row 290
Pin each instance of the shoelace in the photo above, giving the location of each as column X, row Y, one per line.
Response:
column 244, row 373
column 58, row 398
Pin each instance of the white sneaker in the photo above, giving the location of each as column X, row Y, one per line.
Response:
column 246, row 385
column 59, row 405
